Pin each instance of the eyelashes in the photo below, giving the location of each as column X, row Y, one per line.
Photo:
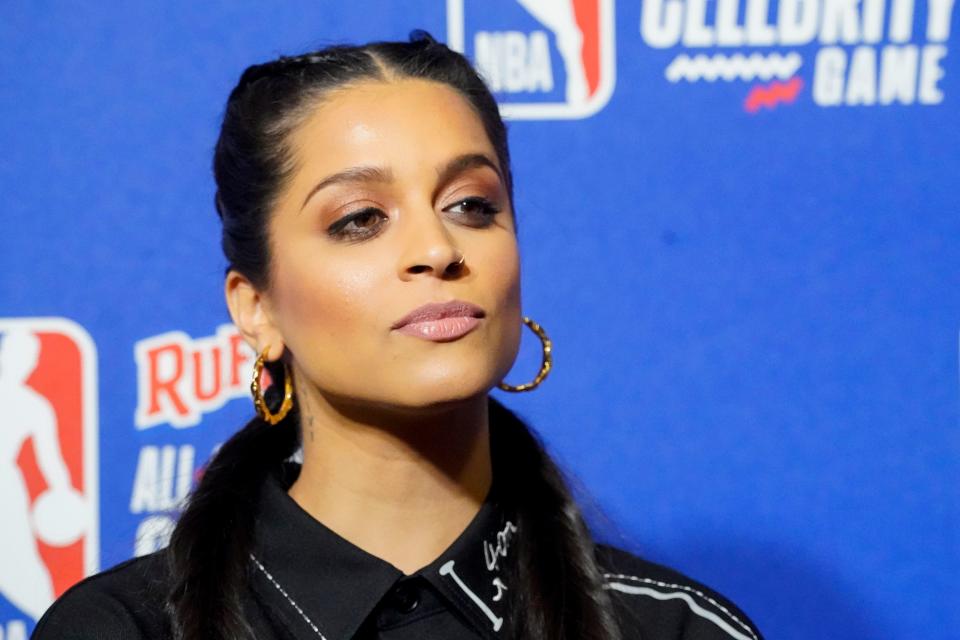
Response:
column 342, row 229
column 481, row 206
column 368, row 221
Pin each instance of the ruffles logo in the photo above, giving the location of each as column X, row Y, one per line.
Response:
column 179, row 378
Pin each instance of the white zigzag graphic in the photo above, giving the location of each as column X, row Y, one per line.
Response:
column 735, row 67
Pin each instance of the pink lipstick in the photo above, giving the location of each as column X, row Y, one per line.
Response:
column 440, row 322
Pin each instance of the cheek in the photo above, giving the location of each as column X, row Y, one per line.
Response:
column 319, row 304
column 503, row 263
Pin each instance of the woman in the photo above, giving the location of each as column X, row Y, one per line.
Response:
column 367, row 208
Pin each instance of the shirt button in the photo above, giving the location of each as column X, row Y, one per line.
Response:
column 405, row 599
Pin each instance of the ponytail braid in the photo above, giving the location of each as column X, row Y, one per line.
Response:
column 561, row 595
column 209, row 549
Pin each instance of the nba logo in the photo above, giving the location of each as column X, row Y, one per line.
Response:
column 48, row 471
column 542, row 59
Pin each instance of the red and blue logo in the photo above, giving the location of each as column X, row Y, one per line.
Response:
column 542, row 59
column 48, row 475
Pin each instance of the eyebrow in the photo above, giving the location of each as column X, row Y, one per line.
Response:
column 445, row 173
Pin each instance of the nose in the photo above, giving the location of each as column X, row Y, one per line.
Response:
column 430, row 247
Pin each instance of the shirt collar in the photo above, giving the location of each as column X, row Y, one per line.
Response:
column 312, row 576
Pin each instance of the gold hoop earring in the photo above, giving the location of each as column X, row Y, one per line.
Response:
column 546, row 364
column 260, row 403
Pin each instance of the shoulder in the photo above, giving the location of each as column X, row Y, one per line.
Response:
column 660, row 603
column 124, row 602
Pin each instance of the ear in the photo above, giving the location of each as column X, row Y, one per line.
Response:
column 249, row 310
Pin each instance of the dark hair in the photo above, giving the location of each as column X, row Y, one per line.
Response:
column 560, row 593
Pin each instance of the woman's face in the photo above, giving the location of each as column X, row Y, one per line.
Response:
column 351, row 256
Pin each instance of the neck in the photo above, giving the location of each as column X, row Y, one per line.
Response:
column 401, row 485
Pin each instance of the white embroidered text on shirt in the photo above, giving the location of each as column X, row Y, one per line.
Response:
column 491, row 553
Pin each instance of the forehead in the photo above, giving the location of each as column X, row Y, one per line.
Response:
column 404, row 122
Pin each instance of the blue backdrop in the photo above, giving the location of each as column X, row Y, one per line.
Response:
column 739, row 225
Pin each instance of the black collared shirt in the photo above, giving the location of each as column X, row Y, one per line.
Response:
column 309, row 582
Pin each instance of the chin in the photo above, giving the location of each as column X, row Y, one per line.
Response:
column 437, row 388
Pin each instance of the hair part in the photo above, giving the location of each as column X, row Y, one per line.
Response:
column 560, row 593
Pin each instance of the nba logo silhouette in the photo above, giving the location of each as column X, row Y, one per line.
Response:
column 542, row 59
column 48, row 470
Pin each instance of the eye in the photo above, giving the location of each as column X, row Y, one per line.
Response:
column 366, row 224
column 476, row 207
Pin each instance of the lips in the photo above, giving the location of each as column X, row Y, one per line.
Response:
column 439, row 311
